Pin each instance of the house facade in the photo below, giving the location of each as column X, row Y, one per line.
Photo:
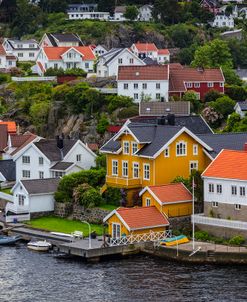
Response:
column 201, row 81
column 60, row 40
column 23, row 50
column 108, row 63
column 65, row 58
column 52, row 158
column 144, row 82
column 225, row 205
column 98, row 50
column 145, row 13
column 119, row 13
column 241, row 108
column 7, row 61
column 91, row 15
column 222, row 20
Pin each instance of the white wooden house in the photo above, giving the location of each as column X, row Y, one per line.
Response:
column 23, row 50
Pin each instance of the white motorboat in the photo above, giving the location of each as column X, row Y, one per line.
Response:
column 40, row 246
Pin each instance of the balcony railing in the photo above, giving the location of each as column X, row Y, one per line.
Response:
column 17, row 218
column 123, row 181
column 232, row 224
column 10, row 207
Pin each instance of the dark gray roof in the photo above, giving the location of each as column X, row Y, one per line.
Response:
column 49, row 148
column 114, row 52
column 195, row 123
column 40, row 186
column 8, row 169
column 243, row 105
column 161, row 108
column 242, row 73
column 150, row 61
column 61, row 166
column 69, row 37
column 232, row 141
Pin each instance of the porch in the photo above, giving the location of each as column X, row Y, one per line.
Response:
column 123, row 182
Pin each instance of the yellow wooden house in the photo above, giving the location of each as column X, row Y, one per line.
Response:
column 138, row 220
column 141, row 155
column 173, row 200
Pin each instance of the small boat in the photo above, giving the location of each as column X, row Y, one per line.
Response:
column 9, row 240
column 40, row 246
column 174, row 240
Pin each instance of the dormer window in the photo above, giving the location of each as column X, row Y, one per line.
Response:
column 134, row 147
column 126, row 147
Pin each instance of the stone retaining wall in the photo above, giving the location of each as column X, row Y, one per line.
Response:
column 221, row 232
column 40, row 214
column 180, row 223
column 63, row 209
column 3, row 204
column 93, row 215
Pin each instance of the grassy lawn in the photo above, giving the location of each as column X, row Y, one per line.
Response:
column 7, row 191
column 62, row 225
column 108, row 207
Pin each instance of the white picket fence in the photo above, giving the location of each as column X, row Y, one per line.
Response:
column 34, row 79
column 145, row 237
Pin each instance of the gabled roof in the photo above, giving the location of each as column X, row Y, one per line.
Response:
column 144, row 47
column 20, row 141
column 2, row 51
column 61, row 166
column 170, row 193
column 231, row 141
column 8, row 169
column 3, row 137
column 120, row 9
column 140, row 218
column 163, row 51
column 229, row 164
column 146, row 73
column 41, row 186
column 67, row 37
column 49, row 148
column 164, row 108
column 55, row 53
column 243, row 105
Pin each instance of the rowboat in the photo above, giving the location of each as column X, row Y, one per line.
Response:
column 40, row 246
column 174, row 240
column 9, row 240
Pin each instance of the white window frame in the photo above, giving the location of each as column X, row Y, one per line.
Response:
column 210, row 188
column 221, row 84
column 114, row 173
column 242, row 191
column 134, row 148
column 26, row 159
column 237, row 206
column 136, row 96
column 41, row 175
column 144, row 86
column 125, row 86
column 184, row 153
column 78, row 158
column 234, row 190
column 116, row 228
column 27, row 172
column 197, row 84
column 135, row 167
column 125, row 167
column 41, row 161
column 215, row 204
column 218, row 188
column 189, row 85
column 210, row 84
column 157, row 85
column 148, row 201
column 167, row 152
column 193, row 162
column 146, row 171
column 195, row 149
column 126, row 147
column 21, row 200
column 135, row 85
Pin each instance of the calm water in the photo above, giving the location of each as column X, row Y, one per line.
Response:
column 29, row 276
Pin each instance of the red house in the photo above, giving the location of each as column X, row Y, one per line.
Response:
column 200, row 80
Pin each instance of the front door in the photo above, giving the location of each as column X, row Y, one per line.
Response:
column 116, row 230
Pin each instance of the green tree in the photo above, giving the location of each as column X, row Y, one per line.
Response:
column 166, row 11
column 232, row 122
column 231, row 77
column 223, row 105
column 131, row 12
column 106, row 6
column 53, row 6
column 102, row 124
column 213, row 54
column 211, row 96
column 39, row 112
column 191, row 96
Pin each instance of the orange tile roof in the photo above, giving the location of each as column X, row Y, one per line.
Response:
column 11, row 126
column 142, row 217
column 146, row 47
column 171, row 193
column 228, row 164
column 41, row 66
column 55, row 53
column 147, row 72
column 164, row 51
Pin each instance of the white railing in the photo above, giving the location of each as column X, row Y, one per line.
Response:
column 145, row 237
column 232, row 224
column 17, row 218
column 6, row 196
column 107, row 90
column 16, row 208
column 33, row 79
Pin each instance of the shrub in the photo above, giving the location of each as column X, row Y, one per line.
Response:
column 91, row 198
column 223, row 105
column 102, row 124
column 3, row 78
column 211, row 96
column 128, row 112
column 117, row 101
column 112, row 196
column 190, row 96
column 212, row 117
column 62, row 197
column 202, row 235
column 237, row 93
column 237, row 240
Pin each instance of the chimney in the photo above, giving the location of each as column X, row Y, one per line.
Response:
column 245, row 146
column 59, row 142
column 171, row 119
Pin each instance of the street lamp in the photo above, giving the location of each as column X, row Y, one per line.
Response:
column 89, row 234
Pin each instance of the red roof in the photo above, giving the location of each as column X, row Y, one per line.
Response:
column 164, row 51
column 143, row 47
column 19, row 141
column 180, row 75
column 11, row 126
column 3, row 137
column 228, row 164
column 93, row 146
column 142, row 217
column 113, row 129
column 2, row 50
column 147, row 72
column 55, row 53
column 171, row 193
column 41, row 66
